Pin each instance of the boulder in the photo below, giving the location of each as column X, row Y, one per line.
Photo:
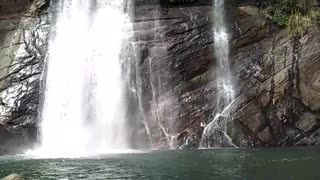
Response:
column 13, row 177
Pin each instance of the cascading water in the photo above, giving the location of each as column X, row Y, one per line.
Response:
column 160, row 104
column 83, row 111
column 156, row 110
column 215, row 133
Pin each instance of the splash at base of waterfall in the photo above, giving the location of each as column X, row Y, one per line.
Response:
column 49, row 154
column 215, row 133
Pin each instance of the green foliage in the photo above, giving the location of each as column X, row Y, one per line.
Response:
column 295, row 15
column 298, row 23
column 315, row 17
column 279, row 11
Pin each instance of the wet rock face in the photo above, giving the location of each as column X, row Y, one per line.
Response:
column 23, row 45
column 172, row 61
column 277, row 83
column 277, row 77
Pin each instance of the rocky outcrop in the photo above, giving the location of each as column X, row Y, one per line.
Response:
column 24, row 28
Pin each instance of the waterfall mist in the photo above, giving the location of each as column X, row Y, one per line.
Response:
column 84, row 105
column 215, row 133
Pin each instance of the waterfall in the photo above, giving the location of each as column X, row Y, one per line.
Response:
column 215, row 133
column 84, row 106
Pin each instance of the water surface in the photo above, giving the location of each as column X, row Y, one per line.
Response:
column 273, row 163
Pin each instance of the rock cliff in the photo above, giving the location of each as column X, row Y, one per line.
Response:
column 171, row 67
column 277, row 76
column 23, row 38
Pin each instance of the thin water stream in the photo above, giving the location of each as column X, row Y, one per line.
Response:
column 215, row 133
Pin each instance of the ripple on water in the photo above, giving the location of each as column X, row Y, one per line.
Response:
column 173, row 165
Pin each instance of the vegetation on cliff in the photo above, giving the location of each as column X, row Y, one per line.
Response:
column 295, row 15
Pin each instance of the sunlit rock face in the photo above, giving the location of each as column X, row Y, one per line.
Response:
column 24, row 27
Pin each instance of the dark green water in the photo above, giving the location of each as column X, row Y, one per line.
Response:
column 280, row 163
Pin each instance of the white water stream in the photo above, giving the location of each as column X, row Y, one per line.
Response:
column 216, row 130
column 83, row 112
